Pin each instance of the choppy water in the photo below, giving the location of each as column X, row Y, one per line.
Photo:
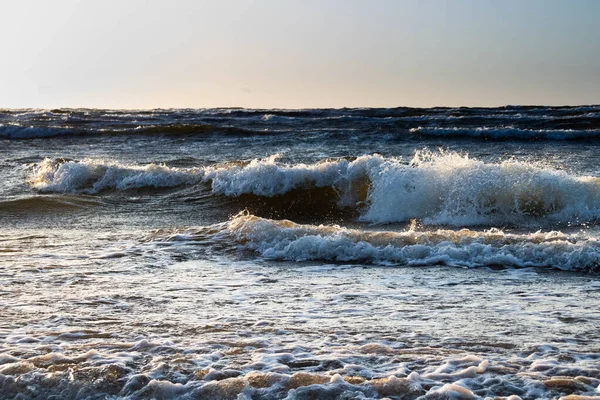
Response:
column 311, row 254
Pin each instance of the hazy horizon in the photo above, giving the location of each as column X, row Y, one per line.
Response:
column 293, row 55
column 294, row 108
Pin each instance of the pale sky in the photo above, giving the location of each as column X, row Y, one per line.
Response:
column 298, row 54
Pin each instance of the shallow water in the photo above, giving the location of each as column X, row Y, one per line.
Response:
column 368, row 263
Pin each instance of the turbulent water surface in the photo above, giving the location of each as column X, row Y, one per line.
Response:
column 310, row 254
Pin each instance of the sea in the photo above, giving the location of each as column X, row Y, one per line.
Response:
column 250, row 254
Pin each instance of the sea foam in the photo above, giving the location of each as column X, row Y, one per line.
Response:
column 94, row 176
column 286, row 240
column 454, row 189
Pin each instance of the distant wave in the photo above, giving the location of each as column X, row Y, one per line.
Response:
column 286, row 240
column 33, row 132
column 28, row 132
column 510, row 133
column 435, row 187
column 512, row 122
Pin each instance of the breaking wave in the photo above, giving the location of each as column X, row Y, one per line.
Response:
column 94, row 176
column 260, row 177
column 286, row 240
column 453, row 189
column 436, row 188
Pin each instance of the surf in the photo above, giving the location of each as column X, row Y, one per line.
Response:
column 284, row 240
column 434, row 187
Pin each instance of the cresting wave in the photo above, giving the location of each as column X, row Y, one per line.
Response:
column 436, row 188
column 94, row 176
column 260, row 177
column 286, row 240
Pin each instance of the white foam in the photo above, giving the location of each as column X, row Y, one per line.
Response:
column 93, row 176
column 451, row 369
column 452, row 391
column 267, row 177
column 285, row 240
column 261, row 177
column 449, row 188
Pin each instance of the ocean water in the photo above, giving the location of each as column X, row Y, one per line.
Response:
column 444, row 253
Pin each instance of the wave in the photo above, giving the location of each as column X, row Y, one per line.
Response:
column 435, row 187
column 268, row 177
column 286, row 240
column 260, row 177
column 190, row 129
column 509, row 133
column 513, row 122
column 36, row 132
column 42, row 204
column 453, row 189
column 95, row 176
column 30, row 132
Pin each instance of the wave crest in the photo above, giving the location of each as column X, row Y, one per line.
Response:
column 286, row 240
column 435, row 187
column 453, row 189
column 94, row 176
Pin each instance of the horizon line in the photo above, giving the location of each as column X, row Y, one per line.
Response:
column 298, row 108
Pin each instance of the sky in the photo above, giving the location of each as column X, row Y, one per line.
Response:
column 298, row 53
